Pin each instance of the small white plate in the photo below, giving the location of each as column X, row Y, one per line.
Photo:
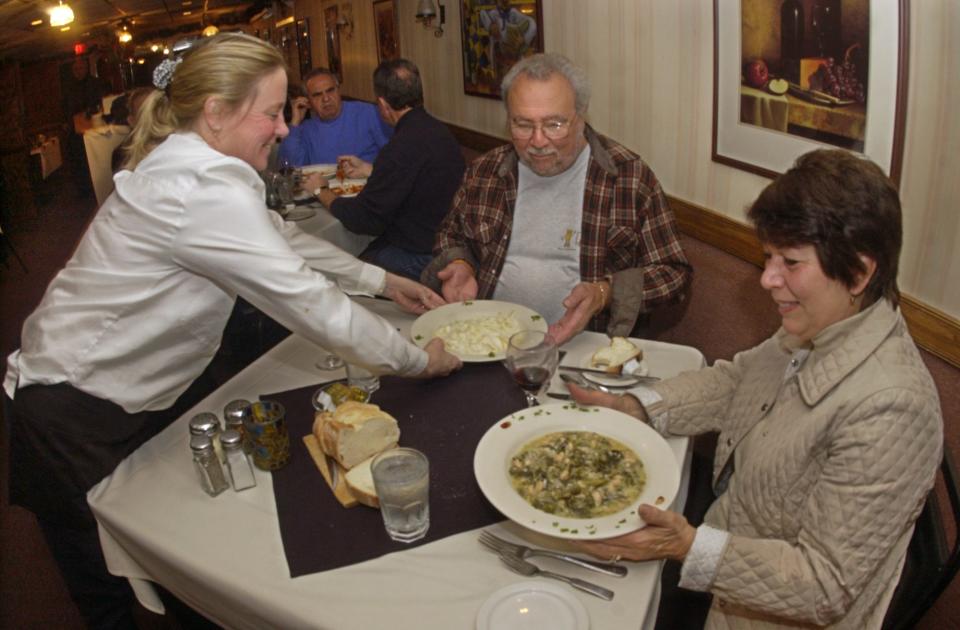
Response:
column 422, row 330
column 325, row 170
column 299, row 213
column 339, row 187
column 580, row 357
column 532, row 605
column 491, row 464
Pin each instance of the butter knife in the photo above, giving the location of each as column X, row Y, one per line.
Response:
column 637, row 377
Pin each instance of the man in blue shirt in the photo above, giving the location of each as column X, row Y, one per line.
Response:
column 335, row 128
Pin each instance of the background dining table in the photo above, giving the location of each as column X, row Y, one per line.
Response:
column 225, row 556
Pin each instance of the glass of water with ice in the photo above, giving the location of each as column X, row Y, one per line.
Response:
column 401, row 477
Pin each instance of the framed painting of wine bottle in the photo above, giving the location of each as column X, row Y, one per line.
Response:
column 791, row 76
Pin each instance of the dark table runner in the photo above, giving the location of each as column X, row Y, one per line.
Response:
column 444, row 418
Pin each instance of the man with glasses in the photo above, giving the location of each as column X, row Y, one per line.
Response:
column 563, row 220
column 335, row 128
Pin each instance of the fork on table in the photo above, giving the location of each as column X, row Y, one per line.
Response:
column 504, row 547
column 529, row 569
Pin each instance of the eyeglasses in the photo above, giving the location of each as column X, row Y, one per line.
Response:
column 552, row 129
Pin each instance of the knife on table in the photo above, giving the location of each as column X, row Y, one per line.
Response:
column 642, row 379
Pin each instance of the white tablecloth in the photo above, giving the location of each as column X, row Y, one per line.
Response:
column 50, row 156
column 224, row 556
column 327, row 226
column 99, row 143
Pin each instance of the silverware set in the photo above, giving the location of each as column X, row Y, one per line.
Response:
column 514, row 556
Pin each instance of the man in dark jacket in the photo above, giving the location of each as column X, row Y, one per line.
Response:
column 411, row 182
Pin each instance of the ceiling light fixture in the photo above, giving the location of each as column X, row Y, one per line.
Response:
column 124, row 35
column 36, row 22
column 61, row 15
column 210, row 31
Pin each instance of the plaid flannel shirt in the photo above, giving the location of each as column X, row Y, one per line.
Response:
column 628, row 235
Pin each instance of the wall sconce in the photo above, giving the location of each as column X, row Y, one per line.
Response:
column 427, row 12
column 61, row 15
column 345, row 21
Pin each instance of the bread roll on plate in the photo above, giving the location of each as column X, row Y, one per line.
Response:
column 611, row 358
column 355, row 432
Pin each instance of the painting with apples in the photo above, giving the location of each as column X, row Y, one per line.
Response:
column 793, row 75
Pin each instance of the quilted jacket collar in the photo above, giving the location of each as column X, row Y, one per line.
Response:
column 840, row 348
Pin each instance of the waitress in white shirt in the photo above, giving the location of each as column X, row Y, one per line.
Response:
column 138, row 311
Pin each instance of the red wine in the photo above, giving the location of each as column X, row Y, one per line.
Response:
column 531, row 378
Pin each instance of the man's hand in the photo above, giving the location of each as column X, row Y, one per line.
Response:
column 458, row 282
column 667, row 535
column 298, row 110
column 584, row 301
column 353, row 167
column 410, row 295
column 441, row 362
column 312, row 181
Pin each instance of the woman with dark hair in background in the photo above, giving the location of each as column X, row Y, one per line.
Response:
column 830, row 431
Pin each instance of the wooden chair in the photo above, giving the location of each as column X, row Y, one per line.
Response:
column 931, row 562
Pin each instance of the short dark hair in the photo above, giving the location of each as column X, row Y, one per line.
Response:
column 318, row 72
column 397, row 81
column 844, row 206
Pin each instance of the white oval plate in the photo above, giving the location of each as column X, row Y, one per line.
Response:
column 299, row 213
column 325, row 170
column 421, row 331
column 491, row 462
column 338, row 187
column 580, row 357
column 532, row 605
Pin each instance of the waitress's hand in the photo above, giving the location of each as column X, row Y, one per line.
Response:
column 626, row 403
column 667, row 535
column 410, row 295
column 441, row 362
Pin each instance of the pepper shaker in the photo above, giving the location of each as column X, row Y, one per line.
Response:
column 233, row 415
column 207, row 465
column 241, row 471
column 208, row 424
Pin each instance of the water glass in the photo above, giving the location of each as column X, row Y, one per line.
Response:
column 401, row 477
column 362, row 378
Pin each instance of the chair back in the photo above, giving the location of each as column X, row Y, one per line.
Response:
column 931, row 562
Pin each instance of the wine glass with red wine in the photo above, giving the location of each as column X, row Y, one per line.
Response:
column 532, row 357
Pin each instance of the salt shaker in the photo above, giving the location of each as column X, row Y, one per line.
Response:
column 208, row 424
column 233, row 415
column 241, row 472
column 208, row 467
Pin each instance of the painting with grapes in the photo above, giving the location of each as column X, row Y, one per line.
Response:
column 794, row 75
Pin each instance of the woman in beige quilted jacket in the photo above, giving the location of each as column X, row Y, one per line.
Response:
column 830, row 431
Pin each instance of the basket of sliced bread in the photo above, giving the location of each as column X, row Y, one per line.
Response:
column 343, row 444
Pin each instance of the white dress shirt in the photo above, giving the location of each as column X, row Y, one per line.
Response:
column 138, row 311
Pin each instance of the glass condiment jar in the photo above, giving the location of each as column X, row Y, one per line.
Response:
column 241, row 470
column 207, row 465
column 208, row 424
column 233, row 414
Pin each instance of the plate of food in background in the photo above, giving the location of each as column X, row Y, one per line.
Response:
column 347, row 187
column 534, row 464
column 476, row 331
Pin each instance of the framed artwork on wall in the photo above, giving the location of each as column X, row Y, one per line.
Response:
column 797, row 75
column 303, row 43
column 497, row 35
column 332, row 36
column 385, row 23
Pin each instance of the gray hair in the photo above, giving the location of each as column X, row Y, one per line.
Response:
column 544, row 65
